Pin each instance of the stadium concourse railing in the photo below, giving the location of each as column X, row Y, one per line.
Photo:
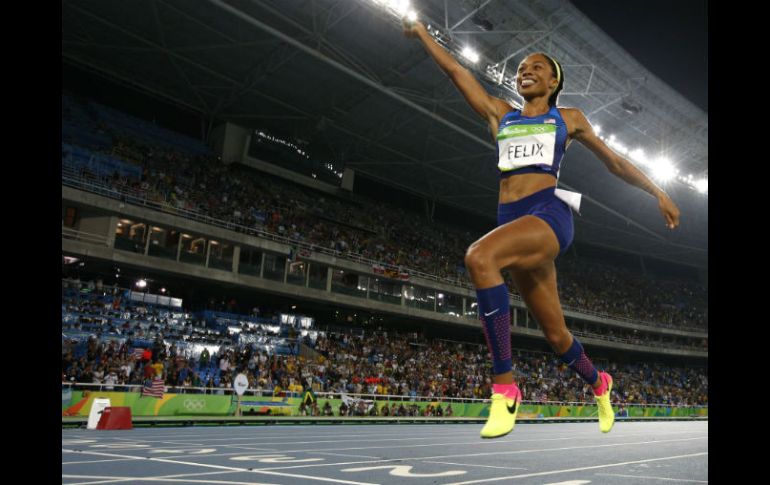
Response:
column 612, row 338
column 69, row 233
column 229, row 391
column 71, row 178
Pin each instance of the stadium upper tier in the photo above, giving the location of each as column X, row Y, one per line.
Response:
column 134, row 164
column 91, row 124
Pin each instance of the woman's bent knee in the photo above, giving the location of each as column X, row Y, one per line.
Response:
column 478, row 261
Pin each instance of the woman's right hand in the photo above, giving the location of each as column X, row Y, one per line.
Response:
column 412, row 27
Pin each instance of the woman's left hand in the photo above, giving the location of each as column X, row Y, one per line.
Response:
column 669, row 210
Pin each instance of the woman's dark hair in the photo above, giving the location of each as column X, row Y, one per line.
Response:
column 555, row 95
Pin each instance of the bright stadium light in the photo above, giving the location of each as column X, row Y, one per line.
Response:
column 663, row 169
column 597, row 129
column 141, row 283
column 400, row 6
column 637, row 155
column 470, row 54
column 619, row 147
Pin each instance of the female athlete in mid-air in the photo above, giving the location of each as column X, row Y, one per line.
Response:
column 534, row 225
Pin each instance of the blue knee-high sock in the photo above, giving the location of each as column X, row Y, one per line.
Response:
column 577, row 360
column 495, row 315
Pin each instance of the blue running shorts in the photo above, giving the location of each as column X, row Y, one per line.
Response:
column 545, row 205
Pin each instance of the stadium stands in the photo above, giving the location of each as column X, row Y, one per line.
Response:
column 184, row 176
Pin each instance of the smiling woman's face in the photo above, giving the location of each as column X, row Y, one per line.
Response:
column 535, row 77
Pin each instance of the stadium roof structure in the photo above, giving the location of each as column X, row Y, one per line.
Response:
column 342, row 71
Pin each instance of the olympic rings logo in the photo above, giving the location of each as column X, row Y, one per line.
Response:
column 538, row 129
column 194, row 404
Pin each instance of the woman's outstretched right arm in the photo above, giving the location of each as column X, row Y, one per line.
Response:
column 488, row 107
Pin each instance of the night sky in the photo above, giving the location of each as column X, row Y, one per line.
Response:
column 669, row 38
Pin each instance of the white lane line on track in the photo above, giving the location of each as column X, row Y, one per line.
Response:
column 250, row 448
column 358, row 436
column 310, row 440
column 85, row 462
column 345, row 455
column 475, row 441
column 155, row 479
column 172, row 456
column 91, row 477
column 459, row 429
column 368, row 440
column 103, row 479
column 308, row 477
column 516, row 452
column 221, row 467
column 472, row 443
column 175, row 480
column 404, row 471
column 111, row 455
column 177, row 443
column 482, row 466
column 653, row 478
column 166, row 442
column 567, row 470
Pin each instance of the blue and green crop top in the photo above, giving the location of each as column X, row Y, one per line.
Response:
column 531, row 144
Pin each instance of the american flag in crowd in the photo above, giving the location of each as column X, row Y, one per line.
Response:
column 138, row 353
column 153, row 388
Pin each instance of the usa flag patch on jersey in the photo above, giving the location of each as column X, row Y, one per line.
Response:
column 550, row 120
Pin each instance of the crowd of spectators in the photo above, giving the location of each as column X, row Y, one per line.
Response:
column 363, row 408
column 603, row 288
column 374, row 230
column 409, row 364
column 188, row 355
